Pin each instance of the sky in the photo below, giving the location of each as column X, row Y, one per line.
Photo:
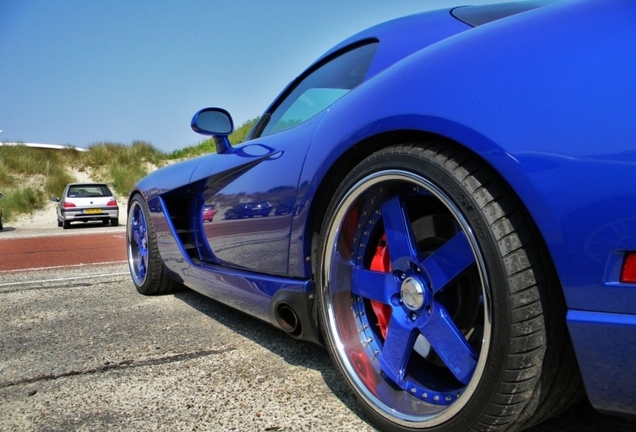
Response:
column 80, row 72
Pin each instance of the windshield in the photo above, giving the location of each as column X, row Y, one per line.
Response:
column 320, row 88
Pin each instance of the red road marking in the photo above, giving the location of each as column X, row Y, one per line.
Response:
column 22, row 253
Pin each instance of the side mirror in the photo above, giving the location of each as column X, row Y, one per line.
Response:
column 1, row 195
column 55, row 199
column 216, row 122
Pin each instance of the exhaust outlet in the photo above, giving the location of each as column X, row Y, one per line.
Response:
column 288, row 320
column 292, row 310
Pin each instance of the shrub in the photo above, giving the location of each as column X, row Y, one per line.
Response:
column 21, row 200
column 124, row 177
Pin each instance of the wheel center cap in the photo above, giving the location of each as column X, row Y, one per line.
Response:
column 412, row 293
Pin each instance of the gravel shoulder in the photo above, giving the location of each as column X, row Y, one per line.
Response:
column 82, row 350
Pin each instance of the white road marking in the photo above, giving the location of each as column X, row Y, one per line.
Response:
column 32, row 282
column 62, row 266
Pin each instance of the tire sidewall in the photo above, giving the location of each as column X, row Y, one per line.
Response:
column 146, row 286
column 436, row 173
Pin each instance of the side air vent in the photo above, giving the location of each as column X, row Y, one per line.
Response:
column 181, row 208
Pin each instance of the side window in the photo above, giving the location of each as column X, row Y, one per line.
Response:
column 320, row 88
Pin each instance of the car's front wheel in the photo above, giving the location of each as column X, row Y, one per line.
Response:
column 146, row 267
column 432, row 296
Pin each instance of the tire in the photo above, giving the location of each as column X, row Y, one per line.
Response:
column 114, row 221
column 59, row 223
column 66, row 224
column 433, row 300
column 146, row 268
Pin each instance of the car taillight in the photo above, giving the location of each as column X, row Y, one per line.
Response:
column 628, row 272
column 111, row 203
column 68, row 204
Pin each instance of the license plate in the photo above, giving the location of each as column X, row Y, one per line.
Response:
column 92, row 211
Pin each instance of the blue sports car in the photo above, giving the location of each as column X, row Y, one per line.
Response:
column 462, row 236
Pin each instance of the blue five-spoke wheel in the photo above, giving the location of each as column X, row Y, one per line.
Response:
column 405, row 301
column 137, row 242
column 144, row 260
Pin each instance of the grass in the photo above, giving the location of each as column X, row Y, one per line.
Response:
column 120, row 165
column 17, row 201
column 30, row 177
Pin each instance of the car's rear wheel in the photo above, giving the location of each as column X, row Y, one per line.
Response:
column 66, row 224
column 146, row 268
column 114, row 221
column 432, row 296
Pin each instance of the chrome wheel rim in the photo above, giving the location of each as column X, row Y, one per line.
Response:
column 137, row 242
column 426, row 366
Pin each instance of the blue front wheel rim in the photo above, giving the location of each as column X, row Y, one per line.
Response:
column 137, row 243
column 430, row 363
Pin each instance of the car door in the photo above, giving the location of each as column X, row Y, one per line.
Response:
column 264, row 171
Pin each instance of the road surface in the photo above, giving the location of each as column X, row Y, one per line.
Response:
column 80, row 349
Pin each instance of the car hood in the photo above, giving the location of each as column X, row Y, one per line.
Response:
column 170, row 177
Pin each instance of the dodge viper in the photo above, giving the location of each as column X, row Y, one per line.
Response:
column 461, row 233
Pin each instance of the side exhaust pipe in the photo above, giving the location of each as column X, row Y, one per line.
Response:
column 287, row 319
column 293, row 312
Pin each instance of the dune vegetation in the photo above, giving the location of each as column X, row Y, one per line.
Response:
column 30, row 177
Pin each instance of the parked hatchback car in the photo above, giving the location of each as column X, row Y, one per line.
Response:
column 83, row 202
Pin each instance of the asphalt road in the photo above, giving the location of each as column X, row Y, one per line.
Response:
column 80, row 349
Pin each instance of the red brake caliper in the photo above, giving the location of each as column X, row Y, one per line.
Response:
column 382, row 262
